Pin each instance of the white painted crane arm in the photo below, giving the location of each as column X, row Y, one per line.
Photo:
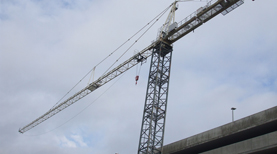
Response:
column 145, row 53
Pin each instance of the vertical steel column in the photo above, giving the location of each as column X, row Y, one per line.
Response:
column 154, row 114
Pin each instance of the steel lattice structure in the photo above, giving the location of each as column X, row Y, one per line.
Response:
column 145, row 53
column 154, row 114
column 153, row 121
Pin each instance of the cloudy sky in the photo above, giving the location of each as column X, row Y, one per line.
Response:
column 47, row 46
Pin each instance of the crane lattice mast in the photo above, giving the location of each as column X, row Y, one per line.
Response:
column 154, row 113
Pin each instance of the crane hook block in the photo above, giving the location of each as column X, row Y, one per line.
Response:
column 137, row 78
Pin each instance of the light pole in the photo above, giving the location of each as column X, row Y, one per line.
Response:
column 233, row 113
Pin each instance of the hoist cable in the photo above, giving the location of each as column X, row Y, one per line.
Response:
column 81, row 110
column 158, row 16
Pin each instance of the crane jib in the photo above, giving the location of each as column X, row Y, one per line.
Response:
column 175, row 32
column 91, row 87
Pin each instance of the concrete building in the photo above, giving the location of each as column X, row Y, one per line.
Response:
column 255, row 134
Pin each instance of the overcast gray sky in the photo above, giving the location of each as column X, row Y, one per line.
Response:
column 47, row 46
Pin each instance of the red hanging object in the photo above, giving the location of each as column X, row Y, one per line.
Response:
column 137, row 78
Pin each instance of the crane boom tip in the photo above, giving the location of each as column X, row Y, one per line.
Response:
column 20, row 131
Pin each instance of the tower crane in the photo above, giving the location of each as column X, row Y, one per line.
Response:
column 154, row 113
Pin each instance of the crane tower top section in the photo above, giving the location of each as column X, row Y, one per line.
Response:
column 172, row 31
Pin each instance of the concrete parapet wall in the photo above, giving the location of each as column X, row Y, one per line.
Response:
column 261, row 143
column 227, row 133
